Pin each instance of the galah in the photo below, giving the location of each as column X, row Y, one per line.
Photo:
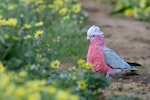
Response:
column 105, row 60
column 96, row 56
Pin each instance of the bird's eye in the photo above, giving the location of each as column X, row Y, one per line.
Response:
column 93, row 35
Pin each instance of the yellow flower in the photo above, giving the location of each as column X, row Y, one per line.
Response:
column 80, row 62
column 55, row 64
column 39, row 24
column 31, row 1
column 12, row 22
column 6, row 36
column 73, row 97
column 148, row 9
column 128, row 12
column 28, row 36
column 143, row 3
column 88, row 66
column 40, row 2
column 23, row 74
column 66, row 17
column 136, row 11
column 20, row 92
column 3, row 22
column 2, row 68
column 76, row 8
column 63, row 11
column 26, row 26
column 40, row 8
column 52, row 90
column 15, row 38
column 38, row 33
column 34, row 96
column 59, row 3
column 35, row 85
column 82, row 84
column 38, row 56
column 42, row 82
column 5, row 81
column 62, row 95
column 18, row 79
column 12, row 7
column 74, row 77
column 10, row 89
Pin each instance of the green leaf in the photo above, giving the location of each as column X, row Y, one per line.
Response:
column 120, row 10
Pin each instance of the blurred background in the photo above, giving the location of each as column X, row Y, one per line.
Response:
column 43, row 49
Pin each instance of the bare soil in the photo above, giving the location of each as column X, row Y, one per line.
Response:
column 130, row 39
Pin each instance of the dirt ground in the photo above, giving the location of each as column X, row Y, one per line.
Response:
column 127, row 37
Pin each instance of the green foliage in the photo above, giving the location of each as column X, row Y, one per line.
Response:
column 139, row 9
column 31, row 28
column 48, row 82
column 35, row 35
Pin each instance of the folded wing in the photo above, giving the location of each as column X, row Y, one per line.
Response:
column 116, row 62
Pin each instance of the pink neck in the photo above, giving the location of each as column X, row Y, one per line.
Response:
column 98, row 41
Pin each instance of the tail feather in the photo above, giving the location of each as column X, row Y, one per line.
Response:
column 134, row 64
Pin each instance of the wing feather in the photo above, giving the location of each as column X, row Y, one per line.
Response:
column 113, row 60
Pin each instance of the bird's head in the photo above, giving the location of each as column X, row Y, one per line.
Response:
column 94, row 32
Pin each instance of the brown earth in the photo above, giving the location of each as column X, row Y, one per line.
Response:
column 130, row 39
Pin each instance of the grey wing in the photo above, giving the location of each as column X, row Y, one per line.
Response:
column 116, row 62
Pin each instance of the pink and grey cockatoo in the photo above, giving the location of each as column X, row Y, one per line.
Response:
column 95, row 53
column 105, row 60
